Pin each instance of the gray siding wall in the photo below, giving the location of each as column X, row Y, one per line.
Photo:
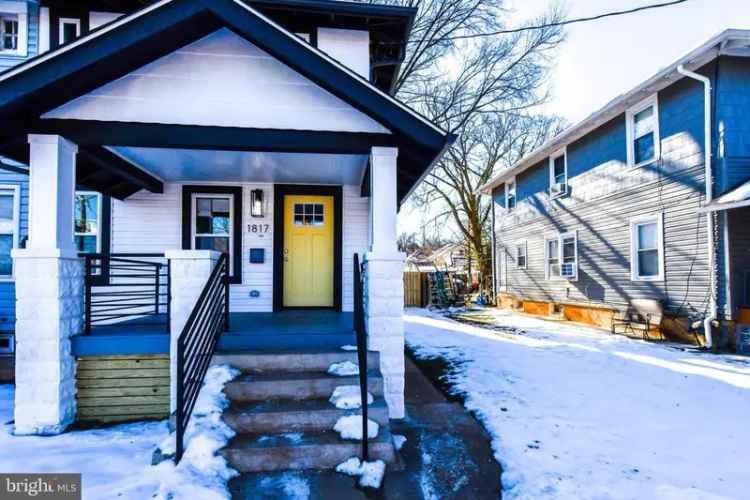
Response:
column 8, row 288
column 739, row 246
column 604, row 195
column 33, row 39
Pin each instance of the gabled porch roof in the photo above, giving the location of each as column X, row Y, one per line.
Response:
column 44, row 83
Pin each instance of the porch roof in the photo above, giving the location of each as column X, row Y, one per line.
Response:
column 736, row 198
column 42, row 84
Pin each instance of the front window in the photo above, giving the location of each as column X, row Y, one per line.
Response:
column 510, row 195
column 646, row 249
column 87, row 222
column 70, row 29
column 213, row 223
column 8, row 228
column 643, row 133
column 558, row 175
column 561, row 254
column 8, row 33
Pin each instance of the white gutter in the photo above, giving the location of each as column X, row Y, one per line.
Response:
column 713, row 312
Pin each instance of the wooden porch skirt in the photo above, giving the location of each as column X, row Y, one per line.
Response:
column 120, row 388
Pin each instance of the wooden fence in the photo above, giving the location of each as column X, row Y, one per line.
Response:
column 416, row 289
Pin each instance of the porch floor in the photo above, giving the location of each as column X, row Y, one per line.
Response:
column 290, row 329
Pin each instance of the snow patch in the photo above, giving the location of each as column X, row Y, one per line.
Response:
column 370, row 473
column 350, row 427
column 202, row 472
column 398, row 441
column 348, row 347
column 348, row 397
column 583, row 389
column 344, row 369
column 293, row 484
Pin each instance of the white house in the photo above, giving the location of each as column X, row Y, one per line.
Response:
column 261, row 130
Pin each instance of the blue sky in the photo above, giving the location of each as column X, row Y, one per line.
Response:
column 602, row 59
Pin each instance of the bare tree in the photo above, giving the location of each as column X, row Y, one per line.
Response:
column 488, row 144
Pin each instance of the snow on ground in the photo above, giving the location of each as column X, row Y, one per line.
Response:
column 576, row 413
column 116, row 461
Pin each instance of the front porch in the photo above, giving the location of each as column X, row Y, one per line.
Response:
column 262, row 331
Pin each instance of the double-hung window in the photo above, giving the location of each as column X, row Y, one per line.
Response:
column 9, row 208
column 213, row 223
column 647, row 248
column 558, row 174
column 87, row 223
column 643, row 132
column 521, row 259
column 561, row 256
column 9, row 32
column 510, row 194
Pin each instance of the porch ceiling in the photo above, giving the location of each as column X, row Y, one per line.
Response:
column 198, row 165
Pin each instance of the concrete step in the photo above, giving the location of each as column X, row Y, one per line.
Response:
column 263, row 386
column 331, row 340
column 295, row 451
column 279, row 416
column 292, row 361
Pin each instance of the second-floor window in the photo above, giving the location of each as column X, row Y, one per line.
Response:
column 510, row 194
column 558, row 174
column 643, row 132
column 8, row 32
column 70, row 29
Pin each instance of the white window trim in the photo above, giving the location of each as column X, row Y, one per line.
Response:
column 20, row 11
column 559, row 237
column 67, row 20
column 99, row 222
column 652, row 100
column 525, row 253
column 193, row 233
column 634, row 223
column 564, row 153
column 16, row 189
column 515, row 193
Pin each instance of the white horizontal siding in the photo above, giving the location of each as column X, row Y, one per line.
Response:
column 151, row 223
column 220, row 80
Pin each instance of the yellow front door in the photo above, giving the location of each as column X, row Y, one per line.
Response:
column 308, row 251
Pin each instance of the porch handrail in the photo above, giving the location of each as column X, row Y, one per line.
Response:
column 197, row 343
column 360, row 330
column 123, row 286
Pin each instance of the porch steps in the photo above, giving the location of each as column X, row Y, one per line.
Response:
column 281, row 413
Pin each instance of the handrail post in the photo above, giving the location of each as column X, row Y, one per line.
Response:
column 87, row 295
column 169, row 296
column 157, row 272
column 179, row 427
column 226, row 294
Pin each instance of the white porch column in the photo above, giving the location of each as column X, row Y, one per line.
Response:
column 384, row 286
column 189, row 272
column 49, row 293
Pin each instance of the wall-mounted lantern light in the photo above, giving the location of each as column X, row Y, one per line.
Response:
column 256, row 203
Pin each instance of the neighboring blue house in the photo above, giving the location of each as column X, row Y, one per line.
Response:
column 618, row 207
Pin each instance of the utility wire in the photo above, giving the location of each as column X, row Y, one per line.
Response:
column 558, row 23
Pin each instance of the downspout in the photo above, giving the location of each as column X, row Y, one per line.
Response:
column 713, row 309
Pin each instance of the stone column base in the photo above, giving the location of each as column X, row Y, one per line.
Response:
column 384, row 316
column 49, row 310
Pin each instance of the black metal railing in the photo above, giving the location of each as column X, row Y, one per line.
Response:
column 121, row 287
column 360, row 330
column 197, row 343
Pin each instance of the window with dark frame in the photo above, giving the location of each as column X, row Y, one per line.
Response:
column 87, row 222
column 70, row 29
column 8, row 32
column 8, row 229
